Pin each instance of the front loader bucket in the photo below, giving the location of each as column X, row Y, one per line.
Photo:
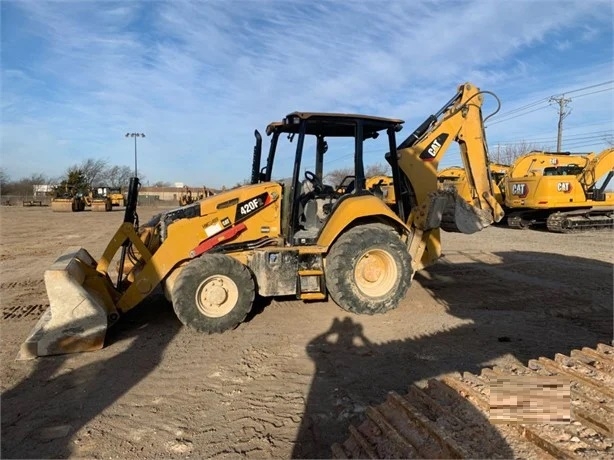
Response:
column 80, row 303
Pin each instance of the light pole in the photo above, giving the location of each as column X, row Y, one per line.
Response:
column 135, row 135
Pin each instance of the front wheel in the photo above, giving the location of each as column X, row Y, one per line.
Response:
column 368, row 269
column 213, row 293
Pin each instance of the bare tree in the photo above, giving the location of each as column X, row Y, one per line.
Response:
column 242, row 183
column 5, row 181
column 24, row 186
column 336, row 176
column 117, row 176
column 93, row 171
column 507, row 154
column 378, row 169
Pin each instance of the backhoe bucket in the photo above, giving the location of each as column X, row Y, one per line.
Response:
column 453, row 214
column 80, row 303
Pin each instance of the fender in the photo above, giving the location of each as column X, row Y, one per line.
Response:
column 352, row 209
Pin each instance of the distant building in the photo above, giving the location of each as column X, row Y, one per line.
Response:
column 169, row 193
column 42, row 189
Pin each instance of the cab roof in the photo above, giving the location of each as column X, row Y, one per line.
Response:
column 333, row 124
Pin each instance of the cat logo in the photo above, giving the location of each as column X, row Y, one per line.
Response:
column 564, row 187
column 431, row 151
column 520, row 190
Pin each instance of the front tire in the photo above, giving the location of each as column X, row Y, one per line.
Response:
column 213, row 293
column 368, row 269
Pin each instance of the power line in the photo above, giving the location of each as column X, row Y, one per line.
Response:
column 593, row 92
column 587, row 87
column 506, row 115
column 516, row 116
column 549, row 138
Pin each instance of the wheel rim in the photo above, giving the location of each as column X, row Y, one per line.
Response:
column 216, row 296
column 375, row 273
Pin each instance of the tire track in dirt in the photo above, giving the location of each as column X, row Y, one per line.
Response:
column 21, row 284
column 23, row 312
column 250, row 406
column 23, row 300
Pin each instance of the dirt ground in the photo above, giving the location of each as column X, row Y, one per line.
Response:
column 290, row 380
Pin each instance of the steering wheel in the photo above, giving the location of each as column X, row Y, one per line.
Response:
column 315, row 180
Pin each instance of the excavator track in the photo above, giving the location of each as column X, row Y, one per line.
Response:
column 449, row 417
column 560, row 222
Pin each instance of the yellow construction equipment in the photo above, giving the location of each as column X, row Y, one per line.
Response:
column 67, row 200
column 99, row 200
column 298, row 237
column 116, row 196
column 187, row 197
column 567, row 195
column 454, row 176
column 381, row 186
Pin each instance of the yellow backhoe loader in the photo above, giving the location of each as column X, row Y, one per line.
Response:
column 68, row 200
column 567, row 196
column 298, row 237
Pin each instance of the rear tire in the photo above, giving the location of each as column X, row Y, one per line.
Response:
column 368, row 270
column 213, row 293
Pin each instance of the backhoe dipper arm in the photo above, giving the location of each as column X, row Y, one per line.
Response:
column 460, row 120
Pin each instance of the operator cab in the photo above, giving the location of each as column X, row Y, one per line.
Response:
column 308, row 202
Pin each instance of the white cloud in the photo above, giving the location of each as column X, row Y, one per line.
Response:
column 198, row 77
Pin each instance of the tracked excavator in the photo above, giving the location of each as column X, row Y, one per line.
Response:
column 567, row 196
column 298, row 237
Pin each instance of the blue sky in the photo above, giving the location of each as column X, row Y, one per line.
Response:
column 198, row 77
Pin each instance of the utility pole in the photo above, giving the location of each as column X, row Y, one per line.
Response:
column 561, row 102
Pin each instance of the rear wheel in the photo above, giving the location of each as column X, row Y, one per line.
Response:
column 368, row 269
column 213, row 293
